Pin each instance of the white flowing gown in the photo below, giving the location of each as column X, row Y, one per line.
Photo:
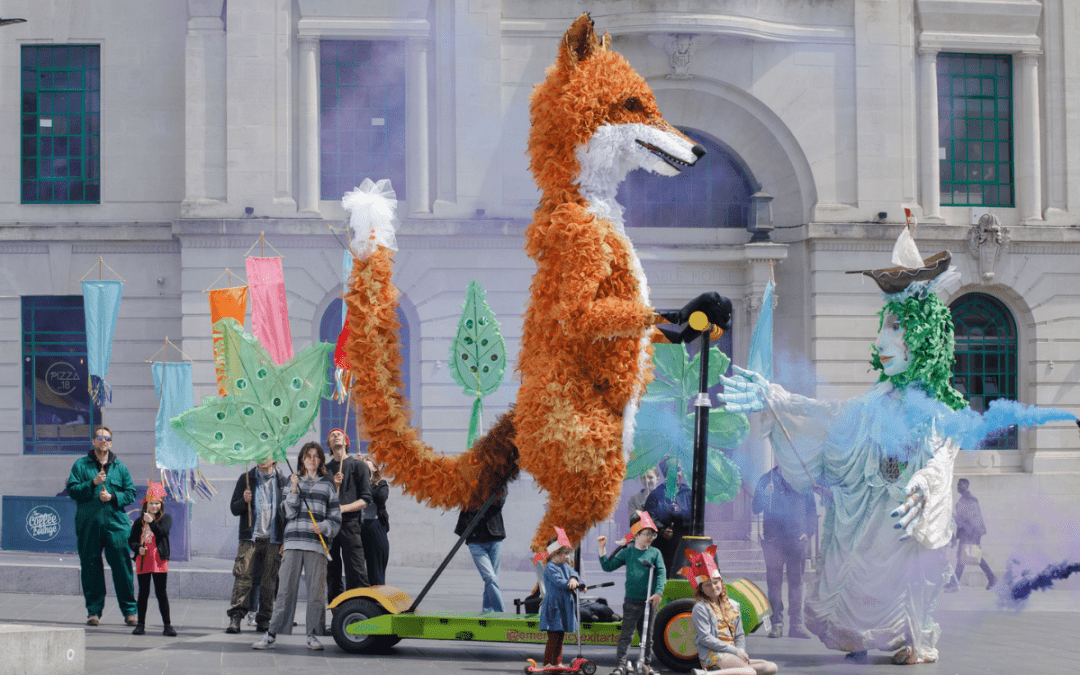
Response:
column 873, row 590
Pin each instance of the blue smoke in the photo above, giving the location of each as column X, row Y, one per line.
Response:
column 969, row 428
column 1018, row 586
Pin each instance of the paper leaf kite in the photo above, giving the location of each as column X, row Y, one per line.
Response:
column 269, row 406
column 666, row 429
column 478, row 353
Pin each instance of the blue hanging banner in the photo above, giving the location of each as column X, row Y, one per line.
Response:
column 172, row 383
column 101, row 304
column 760, row 359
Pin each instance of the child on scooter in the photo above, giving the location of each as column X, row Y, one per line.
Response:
column 637, row 559
column 558, row 613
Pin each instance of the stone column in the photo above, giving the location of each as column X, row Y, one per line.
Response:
column 417, row 163
column 1028, row 160
column 308, row 142
column 929, row 143
column 204, row 110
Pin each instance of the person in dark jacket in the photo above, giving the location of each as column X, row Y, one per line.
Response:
column 790, row 518
column 970, row 529
column 149, row 542
column 375, row 525
column 352, row 478
column 485, row 545
column 257, row 500
column 102, row 488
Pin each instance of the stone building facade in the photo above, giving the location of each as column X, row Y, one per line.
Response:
column 193, row 128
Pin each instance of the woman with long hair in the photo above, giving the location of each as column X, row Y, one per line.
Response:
column 312, row 518
column 718, row 629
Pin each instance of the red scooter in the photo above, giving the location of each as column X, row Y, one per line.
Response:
column 579, row 664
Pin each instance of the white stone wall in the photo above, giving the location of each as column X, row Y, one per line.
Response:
column 823, row 102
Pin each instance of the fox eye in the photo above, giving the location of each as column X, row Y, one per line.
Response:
column 633, row 105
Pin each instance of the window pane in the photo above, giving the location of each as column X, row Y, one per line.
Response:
column 59, row 87
column 986, row 355
column 976, row 111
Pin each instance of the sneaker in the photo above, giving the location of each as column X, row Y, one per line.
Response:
column 798, row 632
column 169, row 631
column 140, row 629
column 620, row 670
column 314, row 644
column 93, row 620
column 776, row 631
column 131, row 620
column 265, row 642
column 234, row 625
column 951, row 588
column 991, row 582
column 251, row 618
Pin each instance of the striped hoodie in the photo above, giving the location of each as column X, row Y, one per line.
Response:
column 320, row 496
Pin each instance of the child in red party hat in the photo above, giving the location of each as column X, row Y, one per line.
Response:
column 558, row 614
column 719, row 636
column 637, row 559
column 149, row 540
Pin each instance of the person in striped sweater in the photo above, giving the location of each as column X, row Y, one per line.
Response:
column 312, row 518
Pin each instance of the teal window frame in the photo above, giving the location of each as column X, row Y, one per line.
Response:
column 975, row 129
column 61, row 124
column 362, row 117
column 986, row 357
column 59, row 415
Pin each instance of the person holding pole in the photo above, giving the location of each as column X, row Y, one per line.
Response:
column 101, row 486
column 353, row 481
column 257, row 499
column 312, row 518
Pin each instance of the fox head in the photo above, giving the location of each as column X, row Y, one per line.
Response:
column 594, row 119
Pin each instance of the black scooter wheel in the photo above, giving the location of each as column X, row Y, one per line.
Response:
column 588, row 668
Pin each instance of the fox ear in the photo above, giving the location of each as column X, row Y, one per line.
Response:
column 579, row 42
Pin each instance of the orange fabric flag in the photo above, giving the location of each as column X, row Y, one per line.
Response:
column 225, row 302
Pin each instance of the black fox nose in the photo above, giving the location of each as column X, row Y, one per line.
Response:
column 698, row 150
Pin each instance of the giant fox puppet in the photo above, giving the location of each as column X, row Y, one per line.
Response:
column 585, row 347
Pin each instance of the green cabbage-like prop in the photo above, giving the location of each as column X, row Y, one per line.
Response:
column 268, row 407
column 666, row 429
column 478, row 354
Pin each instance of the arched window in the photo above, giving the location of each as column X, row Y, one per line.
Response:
column 985, row 367
column 713, row 193
column 334, row 414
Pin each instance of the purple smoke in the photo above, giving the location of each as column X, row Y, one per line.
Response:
column 1018, row 586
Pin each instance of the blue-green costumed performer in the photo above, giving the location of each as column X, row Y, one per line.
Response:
column 884, row 461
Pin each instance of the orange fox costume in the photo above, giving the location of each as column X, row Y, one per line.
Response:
column 585, row 346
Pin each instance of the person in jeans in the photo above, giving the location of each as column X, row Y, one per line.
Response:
column 788, row 519
column 312, row 518
column 256, row 499
column 485, row 545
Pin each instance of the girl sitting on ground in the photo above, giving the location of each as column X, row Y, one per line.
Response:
column 719, row 636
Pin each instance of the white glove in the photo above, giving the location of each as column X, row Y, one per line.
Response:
column 744, row 393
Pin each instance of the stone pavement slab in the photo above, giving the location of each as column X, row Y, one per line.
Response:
column 976, row 638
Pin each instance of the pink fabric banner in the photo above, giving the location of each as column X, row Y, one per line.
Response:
column 269, row 310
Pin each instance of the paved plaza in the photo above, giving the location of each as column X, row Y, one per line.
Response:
column 976, row 637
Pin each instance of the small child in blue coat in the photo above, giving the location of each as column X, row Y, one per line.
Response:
column 558, row 613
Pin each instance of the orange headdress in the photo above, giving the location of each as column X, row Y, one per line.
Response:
column 702, row 566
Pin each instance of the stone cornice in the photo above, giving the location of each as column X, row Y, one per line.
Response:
column 150, row 231
column 646, row 23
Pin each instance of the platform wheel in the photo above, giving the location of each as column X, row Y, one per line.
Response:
column 673, row 636
column 588, row 668
column 353, row 611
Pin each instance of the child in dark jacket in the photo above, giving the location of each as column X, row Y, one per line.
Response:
column 149, row 540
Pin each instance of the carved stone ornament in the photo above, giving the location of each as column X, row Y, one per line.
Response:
column 986, row 241
column 680, row 47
